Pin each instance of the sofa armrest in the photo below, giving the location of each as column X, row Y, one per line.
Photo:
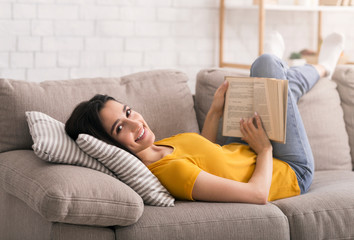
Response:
column 68, row 194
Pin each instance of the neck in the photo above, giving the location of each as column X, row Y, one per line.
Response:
column 153, row 154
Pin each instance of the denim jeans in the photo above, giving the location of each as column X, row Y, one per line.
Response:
column 296, row 151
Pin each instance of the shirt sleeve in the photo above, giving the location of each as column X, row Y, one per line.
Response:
column 178, row 177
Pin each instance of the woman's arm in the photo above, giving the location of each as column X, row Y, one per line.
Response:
column 211, row 123
column 209, row 187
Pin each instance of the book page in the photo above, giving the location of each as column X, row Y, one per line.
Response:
column 277, row 107
column 281, row 110
column 273, row 105
column 261, row 104
column 239, row 104
column 266, row 96
column 285, row 85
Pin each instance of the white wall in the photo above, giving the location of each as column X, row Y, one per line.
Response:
column 61, row 39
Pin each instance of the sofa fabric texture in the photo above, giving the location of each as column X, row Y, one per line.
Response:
column 64, row 193
column 344, row 77
column 19, row 221
column 203, row 220
column 323, row 118
column 326, row 212
column 161, row 90
column 62, row 231
column 38, row 200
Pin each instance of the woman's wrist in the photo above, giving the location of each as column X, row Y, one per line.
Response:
column 211, row 123
column 215, row 113
column 266, row 151
column 268, row 148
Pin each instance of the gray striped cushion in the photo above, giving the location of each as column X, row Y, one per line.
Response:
column 52, row 144
column 129, row 169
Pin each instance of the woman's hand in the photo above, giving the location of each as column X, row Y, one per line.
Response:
column 211, row 123
column 217, row 106
column 255, row 136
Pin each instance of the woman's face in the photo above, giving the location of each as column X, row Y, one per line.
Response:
column 126, row 126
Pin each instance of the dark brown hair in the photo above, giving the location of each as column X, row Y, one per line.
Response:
column 86, row 119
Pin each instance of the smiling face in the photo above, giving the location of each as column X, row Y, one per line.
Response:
column 126, row 127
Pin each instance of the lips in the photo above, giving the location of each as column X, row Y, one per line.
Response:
column 140, row 135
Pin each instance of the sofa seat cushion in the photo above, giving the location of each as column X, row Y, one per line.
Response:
column 202, row 220
column 68, row 194
column 61, row 231
column 326, row 211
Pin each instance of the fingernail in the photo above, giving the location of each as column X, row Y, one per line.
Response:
column 255, row 113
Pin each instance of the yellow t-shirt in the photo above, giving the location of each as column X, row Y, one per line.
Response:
column 193, row 153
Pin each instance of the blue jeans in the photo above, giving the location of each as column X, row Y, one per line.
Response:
column 296, row 151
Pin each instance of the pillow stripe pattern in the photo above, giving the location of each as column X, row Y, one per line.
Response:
column 52, row 144
column 129, row 169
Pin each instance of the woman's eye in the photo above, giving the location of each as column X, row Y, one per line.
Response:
column 128, row 112
column 119, row 128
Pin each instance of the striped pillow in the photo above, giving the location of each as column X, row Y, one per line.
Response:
column 129, row 169
column 52, row 144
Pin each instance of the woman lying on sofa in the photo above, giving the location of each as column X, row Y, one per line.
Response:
column 193, row 167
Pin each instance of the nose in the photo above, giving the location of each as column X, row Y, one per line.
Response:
column 133, row 124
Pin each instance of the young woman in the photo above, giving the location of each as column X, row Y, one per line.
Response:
column 193, row 167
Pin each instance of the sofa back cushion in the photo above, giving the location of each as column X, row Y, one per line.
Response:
column 320, row 110
column 322, row 115
column 161, row 96
column 344, row 77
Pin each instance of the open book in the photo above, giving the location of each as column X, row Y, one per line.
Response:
column 266, row 96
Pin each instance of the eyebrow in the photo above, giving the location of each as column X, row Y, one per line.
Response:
column 116, row 122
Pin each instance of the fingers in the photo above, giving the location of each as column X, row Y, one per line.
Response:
column 220, row 92
column 243, row 131
column 254, row 134
column 250, row 125
column 247, row 124
column 246, row 128
column 218, row 103
column 258, row 120
column 223, row 87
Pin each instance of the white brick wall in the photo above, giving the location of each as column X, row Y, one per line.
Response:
column 24, row 11
column 28, row 43
column 45, row 60
column 21, row 60
column 60, row 39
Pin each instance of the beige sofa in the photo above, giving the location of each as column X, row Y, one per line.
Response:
column 42, row 200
